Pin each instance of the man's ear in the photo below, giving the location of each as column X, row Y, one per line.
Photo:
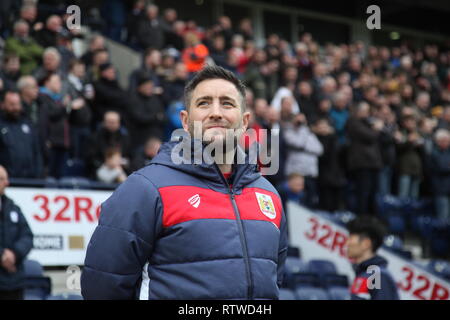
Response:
column 245, row 121
column 184, row 116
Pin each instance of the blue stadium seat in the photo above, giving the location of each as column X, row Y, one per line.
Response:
column 65, row 296
column 305, row 280
column 292, row 266
column 74, row 183
column 344, row 217
column 334, row 280
column 33, row 268
column 311, row 294
column 396, row 223
column 339, row 293
column 293, row 252
column 440, row 268
column 322, row 266
column 286, row 294
column 394, row 244
column 74, row 168
column 37, row 286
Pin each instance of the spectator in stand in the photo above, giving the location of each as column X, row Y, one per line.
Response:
column 62, row 112
column 304, row 149
column 51, row 64
column 306, row 100
column 150, row 33
column 440, row 174
column 134, row 17
column 101, row 56
column 81, row 92
column 409, row 158
column 65, row 49
column 28, row 13
column 387, row 148
column 246, row 29
column 293, row 189
column 195, row 53
column 253, row 77
column 10, row 72
column 364, row 157
column 111, row 171
column 144, row 155
column 35, row 110
column 331, row 180
column 173, row 87
column 151, row 63
column 109, row 135
column 147, row 114
column 289, row 78
column 109, row 96
column 113, row 14
column 175, row 39
column 339, row 115
column 25, row 47
column 47, row 36
column 167, row 22
column 97, row 42
column 19, row 145
column 218, row 52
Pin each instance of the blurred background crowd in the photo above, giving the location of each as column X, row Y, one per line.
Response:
column 355, row 120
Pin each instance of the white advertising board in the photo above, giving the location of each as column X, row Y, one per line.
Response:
column 62, row 222
column 320, row 238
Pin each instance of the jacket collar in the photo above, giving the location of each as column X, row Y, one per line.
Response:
column 204, row 168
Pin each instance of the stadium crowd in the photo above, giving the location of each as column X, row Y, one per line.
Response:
column 354, row 120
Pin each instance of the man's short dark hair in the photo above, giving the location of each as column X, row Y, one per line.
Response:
column 213, row 72
column 368, row 227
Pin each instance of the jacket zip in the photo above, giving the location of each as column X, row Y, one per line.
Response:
column 241, row 237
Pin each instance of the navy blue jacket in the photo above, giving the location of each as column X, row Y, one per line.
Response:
column 182, row 232
column 360, row 289
column 16, row 235
column 19, row 148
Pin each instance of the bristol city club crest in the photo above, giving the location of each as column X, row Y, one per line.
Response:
column 266, row 205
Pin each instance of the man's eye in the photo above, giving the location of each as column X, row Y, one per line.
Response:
column 228, row 104
column 202, row 103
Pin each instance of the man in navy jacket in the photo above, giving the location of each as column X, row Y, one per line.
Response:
column 372, row 279
column 205, row 229
column 16, row 241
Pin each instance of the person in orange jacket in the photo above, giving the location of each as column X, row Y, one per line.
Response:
column 195, row 53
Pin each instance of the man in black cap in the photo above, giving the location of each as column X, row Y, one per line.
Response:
column 109, row 96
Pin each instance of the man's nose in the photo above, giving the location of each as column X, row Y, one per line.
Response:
column 216, row 110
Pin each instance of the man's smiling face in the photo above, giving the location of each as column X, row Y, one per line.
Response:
column 216, row 105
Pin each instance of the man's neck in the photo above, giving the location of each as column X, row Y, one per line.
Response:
column 366, row 256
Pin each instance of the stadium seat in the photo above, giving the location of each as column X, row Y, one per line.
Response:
column 74, row 168
column 344, row 217
column 440, row 268
column 339, row 293
column 396, row 223
column 74, row 183
column 311, row 294
column 37, row 286
column 306, row 280
column 394, row 244
column 293, row 252
column 321, row 266
column 65, row 296
column 292, row 266
column 334, row 280
column 33, row 268
column 286, row 294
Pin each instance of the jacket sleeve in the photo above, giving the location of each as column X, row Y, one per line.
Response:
column 282, row 250
column 122, row 242
column 23, row 245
